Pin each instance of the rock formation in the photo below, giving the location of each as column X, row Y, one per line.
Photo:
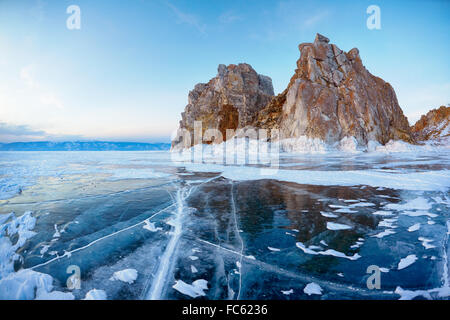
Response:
column 231, row 100
column 433, row 126
column 331, row 96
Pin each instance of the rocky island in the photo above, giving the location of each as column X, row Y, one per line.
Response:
column 331, row 98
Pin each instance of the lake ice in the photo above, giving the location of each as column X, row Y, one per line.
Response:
column 139, row 225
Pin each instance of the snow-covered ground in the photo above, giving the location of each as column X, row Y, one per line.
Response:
column 154, row 225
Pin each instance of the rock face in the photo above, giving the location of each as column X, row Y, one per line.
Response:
column 332, row 96
column 435, row 125
column 231, row 100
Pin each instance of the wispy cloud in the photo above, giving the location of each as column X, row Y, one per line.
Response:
column 316, row 18
column 19, row 130
column 24, row 133
column 187, row 18
column 27, row 77
column 45, row 97
column 229, row 17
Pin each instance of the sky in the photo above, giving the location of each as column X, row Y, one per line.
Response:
column 125, row 74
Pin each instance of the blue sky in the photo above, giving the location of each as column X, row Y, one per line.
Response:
column 126, row 73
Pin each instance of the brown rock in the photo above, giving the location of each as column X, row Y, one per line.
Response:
column 332, row 95
column 433, row 126
column 231, row 100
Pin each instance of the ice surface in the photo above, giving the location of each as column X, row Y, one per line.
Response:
column 419, row 203
column 253, row 235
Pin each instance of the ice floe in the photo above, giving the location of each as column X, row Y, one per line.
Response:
column 287, row 292
column 95, row 294
column 337, row 226
column 328, row 252
column 126, row 275
column 414, row 227
column 312, row 288
column 406, row 262
column 328, row 214
column 194, row 290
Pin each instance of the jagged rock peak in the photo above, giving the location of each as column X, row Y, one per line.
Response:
column 231, row 100
column 332, row 96
column 435, row 125
column 321, row 38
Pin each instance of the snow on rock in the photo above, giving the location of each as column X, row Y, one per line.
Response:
column 14, row 226
column 348, row 144
column 406, row 262
column 312, row 288
column 126, row 275
column 24, row 284
column 194, row 290
column 95, row 294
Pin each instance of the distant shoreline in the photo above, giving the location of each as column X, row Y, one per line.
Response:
column 84, row 146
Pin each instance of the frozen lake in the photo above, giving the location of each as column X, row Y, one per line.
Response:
column 139, row 225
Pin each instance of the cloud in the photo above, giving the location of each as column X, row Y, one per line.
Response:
column 24, row 133
column 51, row 100
column 318, row 17
column 19, row 130
column 27, row 77
column 187, row 18
column 45, row 97
column 229, row 17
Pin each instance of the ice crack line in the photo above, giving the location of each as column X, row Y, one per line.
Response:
column 238, row 235
column 445, row 275
column 167, row 260
column 68, row 253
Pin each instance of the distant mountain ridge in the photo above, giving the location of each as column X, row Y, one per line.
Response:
column 83, row 146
